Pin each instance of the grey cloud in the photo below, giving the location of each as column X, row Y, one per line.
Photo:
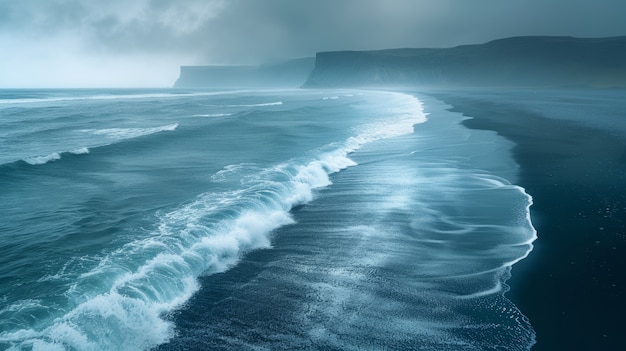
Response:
column 267, row 28
column 115, row 25
column 251, row 31
column 156, row 25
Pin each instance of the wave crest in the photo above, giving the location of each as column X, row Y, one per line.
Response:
column 128, row 133
column 41, row 160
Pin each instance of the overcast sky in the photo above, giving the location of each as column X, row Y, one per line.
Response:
column 142, row 43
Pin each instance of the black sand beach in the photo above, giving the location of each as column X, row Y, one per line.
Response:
column 572, row 287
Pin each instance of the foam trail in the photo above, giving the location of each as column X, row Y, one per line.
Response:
column 55, row 156
column 40, row 160
column 111, row 133
column 110, row 97
column 81, row 151
column 213, row 115
column 277, row 103
column 128, row 133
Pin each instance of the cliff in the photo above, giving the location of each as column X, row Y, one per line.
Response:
column 285, row 74
column 519, row 61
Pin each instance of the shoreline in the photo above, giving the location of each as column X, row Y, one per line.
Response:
column 570, row 286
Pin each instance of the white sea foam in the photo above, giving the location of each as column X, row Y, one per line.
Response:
column 213, row 115
column 81, row 151
column 40, row 160
column 229, row 170
column 128, row 133
column 405, row 113
column 128, row 96
column 465, row 226
column 55, row 156
column 330, row 98
column 276, row 103
column 190, row 241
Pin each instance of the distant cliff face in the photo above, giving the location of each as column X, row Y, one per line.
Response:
column 287, row 74
column 521, row 61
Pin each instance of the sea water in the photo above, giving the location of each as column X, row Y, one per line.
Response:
column 296, row 219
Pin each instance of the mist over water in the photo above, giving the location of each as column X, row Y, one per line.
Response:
column 135, row 218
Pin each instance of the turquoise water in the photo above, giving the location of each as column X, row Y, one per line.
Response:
column 254, row 219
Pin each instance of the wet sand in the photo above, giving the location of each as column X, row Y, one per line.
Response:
column 572, row 287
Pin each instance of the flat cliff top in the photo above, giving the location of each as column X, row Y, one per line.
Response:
column 518, row 61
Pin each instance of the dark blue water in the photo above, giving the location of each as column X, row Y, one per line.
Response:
column 254, row 220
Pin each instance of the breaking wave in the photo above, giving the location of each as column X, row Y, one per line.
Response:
column 122, row 303
column 128, row 133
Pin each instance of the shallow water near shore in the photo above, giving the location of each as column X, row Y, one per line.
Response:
column 255, row 220
column 570, row 145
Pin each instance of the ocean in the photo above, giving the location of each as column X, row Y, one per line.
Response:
column 255, row 220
